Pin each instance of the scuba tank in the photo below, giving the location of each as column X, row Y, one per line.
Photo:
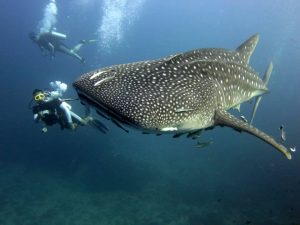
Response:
column 58, row 35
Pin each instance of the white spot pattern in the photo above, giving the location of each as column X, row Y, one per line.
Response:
column 147, row 94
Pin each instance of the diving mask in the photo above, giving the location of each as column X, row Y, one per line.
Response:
column 39, row 97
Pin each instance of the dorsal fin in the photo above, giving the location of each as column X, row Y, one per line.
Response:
column 247, row 48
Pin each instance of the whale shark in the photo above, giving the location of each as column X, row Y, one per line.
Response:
column 183, row 93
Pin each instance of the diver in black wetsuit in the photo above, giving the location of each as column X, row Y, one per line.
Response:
column 52, row 42
column 50, row 108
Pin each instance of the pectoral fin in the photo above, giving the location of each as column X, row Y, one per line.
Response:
column 223, row 118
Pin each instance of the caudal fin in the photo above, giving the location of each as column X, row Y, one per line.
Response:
column 266, row 81
column 223, row 118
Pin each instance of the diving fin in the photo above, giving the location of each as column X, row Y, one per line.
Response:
column 91, row 41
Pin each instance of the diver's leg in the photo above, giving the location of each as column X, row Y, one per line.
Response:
column 70, row 52
column 78, row 118
column 80, row 58
column 51, row 48
column 77, row 47
column 67, row 112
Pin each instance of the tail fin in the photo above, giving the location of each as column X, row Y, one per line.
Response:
column 268, row 73
column 266, row 81
column 223, row 118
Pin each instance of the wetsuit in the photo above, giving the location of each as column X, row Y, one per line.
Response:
column 53, row 110
column 53, row 44
column 50, row 113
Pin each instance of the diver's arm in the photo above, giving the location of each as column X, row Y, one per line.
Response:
column 51, row 46
column 36, row 117
column 51, row 95
column 41, row 48
column 52, row 49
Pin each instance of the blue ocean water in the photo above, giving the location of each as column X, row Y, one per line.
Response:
column 88, row 178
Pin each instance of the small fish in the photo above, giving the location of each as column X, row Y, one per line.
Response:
column 244, row 119
column 195, row 134
column 180, row 110
column 293, row 149
column 282, row 133
column 203, row 144
column 177, row 135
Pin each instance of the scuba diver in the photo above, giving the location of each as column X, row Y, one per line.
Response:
column 50, row 109
column 52, row 42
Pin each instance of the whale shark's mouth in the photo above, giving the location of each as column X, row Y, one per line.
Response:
column 100, row 108
column 107, row 113
column 115, row 117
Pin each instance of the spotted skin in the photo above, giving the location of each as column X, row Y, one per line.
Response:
column 152, row 95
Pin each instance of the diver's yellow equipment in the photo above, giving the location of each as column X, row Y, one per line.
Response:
column 39, row 96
